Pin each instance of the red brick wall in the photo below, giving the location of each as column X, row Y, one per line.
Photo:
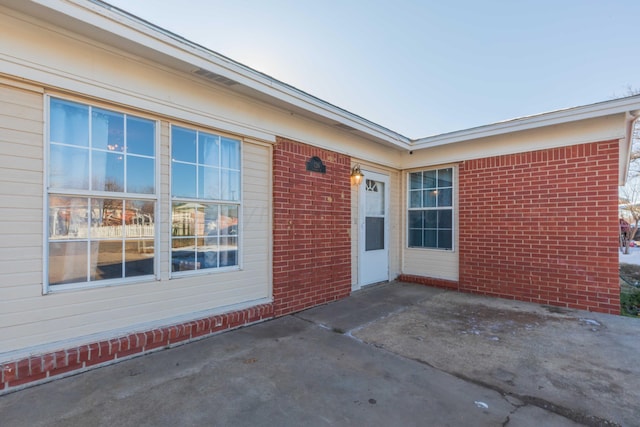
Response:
column 311, row 235
column 542, row 226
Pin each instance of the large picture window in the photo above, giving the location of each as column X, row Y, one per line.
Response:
column 101, row 194
column 431, row 209
column 205, row 193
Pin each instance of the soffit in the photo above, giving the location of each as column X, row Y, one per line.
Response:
column 112, row 27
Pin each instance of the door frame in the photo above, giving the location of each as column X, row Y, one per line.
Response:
column 361, row 223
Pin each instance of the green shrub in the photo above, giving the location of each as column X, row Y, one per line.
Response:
column 630, row 290
column 630, row 301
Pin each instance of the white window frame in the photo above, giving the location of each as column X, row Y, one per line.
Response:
column 219, row 202
column 155, row 198
column 452, row 208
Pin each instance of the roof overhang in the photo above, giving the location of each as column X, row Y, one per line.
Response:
column 629, row 105
column 114, row 27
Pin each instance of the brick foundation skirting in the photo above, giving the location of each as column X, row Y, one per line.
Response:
column 430, row 281
column 40, row 368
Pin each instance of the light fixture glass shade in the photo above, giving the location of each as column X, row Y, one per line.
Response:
column 356, row 175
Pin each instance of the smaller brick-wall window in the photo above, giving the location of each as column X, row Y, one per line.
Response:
column 430, row 216
column 205, row 194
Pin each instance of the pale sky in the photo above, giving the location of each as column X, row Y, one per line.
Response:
column 423, row 67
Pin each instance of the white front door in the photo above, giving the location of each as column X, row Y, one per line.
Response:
column 373, row 264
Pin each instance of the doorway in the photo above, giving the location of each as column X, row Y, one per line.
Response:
column 373, row 222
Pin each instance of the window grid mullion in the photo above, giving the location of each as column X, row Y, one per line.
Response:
column 421, row 188
column 91, row 195
column 125, row 153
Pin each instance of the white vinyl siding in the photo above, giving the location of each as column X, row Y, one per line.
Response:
column 21, row 194
column 28, row 318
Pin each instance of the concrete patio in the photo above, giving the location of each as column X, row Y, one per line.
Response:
column 395, row 354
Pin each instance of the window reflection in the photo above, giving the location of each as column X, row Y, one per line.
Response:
column 69, row 123
column 108, row 171
column 67, row 262
column 445, row 177
column 99, row 232
column 208, row 183
column 204, row 236
column 107, row 130
column 445, row 197
column 183, row 180
column 429, row 198
column 138, row 258
column 429, row 179
column 183, row 254
column 430, row 219
column 74, row 139
column 183, row 145
column 106, row 217
column 141, row 175
column 416, row 180
column 230, row 154
column 184, row 219
column 208, row 149
column 139, row 218
column 416, row 219
column 93, row 153
column 140, row 136
column 68, row 167
column 106, row 260
column 205, row 170
column 415, row 199
column 228, row 251
column 204, row 166
column 230, row 185
column 68, row 217
column 211, row 215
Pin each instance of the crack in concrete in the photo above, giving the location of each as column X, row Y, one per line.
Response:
column 515, row 409
column 578, row 417
column 525, row 400
column 350, row 332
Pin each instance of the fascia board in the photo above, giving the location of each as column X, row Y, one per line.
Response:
column 617, row 106
column 131, row 29
column 94, row 14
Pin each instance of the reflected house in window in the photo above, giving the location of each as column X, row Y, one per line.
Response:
column 206, row 200
column 101, row 194
column 187, row 216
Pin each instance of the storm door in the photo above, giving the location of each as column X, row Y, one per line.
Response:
column 374, row 229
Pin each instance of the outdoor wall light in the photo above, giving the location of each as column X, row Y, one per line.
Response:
column 356, row 175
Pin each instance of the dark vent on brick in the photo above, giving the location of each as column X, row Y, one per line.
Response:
column 214, row 77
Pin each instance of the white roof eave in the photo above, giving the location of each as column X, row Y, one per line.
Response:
column 109, row 24
column 600, row 109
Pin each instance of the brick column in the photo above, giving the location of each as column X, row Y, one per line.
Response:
column 311, row 236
